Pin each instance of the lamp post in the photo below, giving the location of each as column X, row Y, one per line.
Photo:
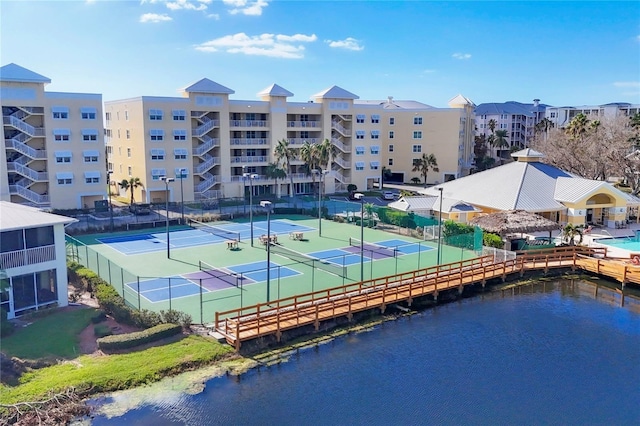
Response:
column 440, row 229
column 360, row 196
column 109, row 194
column 183, row 172
column 267, row 206
column 244, row 188
column 321, row 174
column 166, row 181
column 251, row 177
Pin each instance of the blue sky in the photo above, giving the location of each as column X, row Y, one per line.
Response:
column 564, row 53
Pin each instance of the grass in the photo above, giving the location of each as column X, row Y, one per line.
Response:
column 115, row 372
column 54, row 335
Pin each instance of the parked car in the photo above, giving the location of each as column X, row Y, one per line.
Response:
column 388, row 195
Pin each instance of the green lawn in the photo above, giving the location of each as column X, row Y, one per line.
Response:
column 54, row 335
column 115, row 372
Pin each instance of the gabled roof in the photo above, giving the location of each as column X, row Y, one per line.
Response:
column 207, row 86
column 571, row 190
column 335, row 92
column 410, row 204
column 527, row 153
column 13, row 72
column 18, row 216
column 275, row 90
column 460, row 100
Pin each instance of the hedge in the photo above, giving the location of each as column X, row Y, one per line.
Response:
column 130, row 340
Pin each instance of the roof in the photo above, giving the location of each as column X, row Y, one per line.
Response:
column 207, row 86
column 275, row 90
column 460, row 100
column 510, row 107
column 527, row 153
column 514, row 221
column 335, row 92
column 394, row 104
column 14, row 72
column 410, row 204
column 18, row 216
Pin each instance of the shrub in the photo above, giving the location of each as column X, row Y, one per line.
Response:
column 130, row 340
column 176, row 317
column 98, row 317
column 102, row 330
column 492, row 240
column 6, row 327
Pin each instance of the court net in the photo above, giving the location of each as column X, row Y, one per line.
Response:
column 374, row 248
column 218, row 232
column 308, row 260
column 217, row 273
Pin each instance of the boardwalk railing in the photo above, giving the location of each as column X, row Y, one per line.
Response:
column 250, row 322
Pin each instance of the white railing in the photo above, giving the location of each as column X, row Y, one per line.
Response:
column 250, row 159
column 343, row 118
column 208, row 195
column 206, row 127
column 249, row 141
column 207, row 164
column 344, row 164
column 32, row 110
column 30, row 173
column 24, row 148
column 28, row 194
column 306, row 124
column 342, row 147
column 15, row 259
column 209, row 143
column 248, row 123
column 209, row 181
column 339, row 127
column 198, row 114
column 22, row 126
column 339, row 176
column 300, row 141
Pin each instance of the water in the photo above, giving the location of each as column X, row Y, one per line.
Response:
column 553, row 356
column 631, row 243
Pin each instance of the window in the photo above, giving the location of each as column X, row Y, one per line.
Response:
column 126, row 115
column 156, row 134
column 417, row 134
column 107, row 116
column 156, row 173
column 179, row 135
column 392, row 121
column 128, row 134
column 157, row 154
column 180, row 153
column 63, row 156
column 360, row 134
column 155, row 114
column 90, row 156
column 416, row 161
column 303, row 135
column 417, row 148
column 503, row 126
column 61, row 135
column 88, row 113
column 360, row 118
column 129, row 152
column 504, row 116
column 553, row 115
column 417, row 120
column 179, row 115
column 375, row 118
column 391, row 161
column 91, row 177
column 359, row 150
column 374, row 165
column 375, row 134
column 60, row 113
column 375, row 149
column 89, row 135
column 129, row 171
column 359, row 165
column 391, row 134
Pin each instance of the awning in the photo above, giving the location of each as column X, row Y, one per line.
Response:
column 64, row 175
column 91, row 174
column 91, row 153
column 89, row 132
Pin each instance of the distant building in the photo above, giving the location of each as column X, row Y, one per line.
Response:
column 33, row 259
column 53, row 153
column 517, row 119
column 562, row 116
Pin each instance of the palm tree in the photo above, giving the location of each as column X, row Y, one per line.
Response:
column 386, row 175
column 501, row 140
column 274, row 171
column 491, row 140
column 634, row 122
column 368, row 208
column 309, row 154
column 284, row 155
column 570, row 232
column 424, row 164
column 577, row 127
column 131, row 185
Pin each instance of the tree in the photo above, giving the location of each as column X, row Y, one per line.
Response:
column 501, row 141
column 131, row 185
column 284, row 155
column 570, row 232
column 368, row 208
column 309, row 154
column 386, row 175
column 482, row 160
column 274, row 171
column 424, row 164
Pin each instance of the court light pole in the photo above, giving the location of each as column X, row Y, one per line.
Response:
column 167, row 181
column 244, row 189
column 251, row 177
column 183, row 172
column 109, row 172
column 321, row 174
column 440, row 229
column 360, row 196
column 268, row 206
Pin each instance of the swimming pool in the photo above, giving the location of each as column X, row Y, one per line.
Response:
column 631, row 243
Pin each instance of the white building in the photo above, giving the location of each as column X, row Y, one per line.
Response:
column 562, row 116
column 33, row 259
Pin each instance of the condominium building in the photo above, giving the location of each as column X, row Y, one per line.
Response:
column 517, row 119
column 53, row 154
column 562, row 116
column 213, row 141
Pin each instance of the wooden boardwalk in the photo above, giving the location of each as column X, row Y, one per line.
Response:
column 247, row 323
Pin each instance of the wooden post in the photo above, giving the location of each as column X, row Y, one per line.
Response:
column 316, row 323
column 278, row 332
column 349, row 313
column 238, row 336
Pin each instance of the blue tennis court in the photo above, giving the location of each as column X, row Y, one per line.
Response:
column 257, row 271
column 160, row 289
column 405, row 247
column 337, row 257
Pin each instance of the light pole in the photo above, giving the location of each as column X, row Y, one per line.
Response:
column 244, row 188
column 440, row 229
column 251, row 177
column 360, row 196
column 183, row 172
column 267, row 206
column 110, row 205
column 166, row 181
column 321, row 173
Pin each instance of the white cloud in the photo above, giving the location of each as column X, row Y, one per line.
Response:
column 246, row 7
column 186, row 5
column 276, row 46
column 214, row 16
column 154, row 18
column 627, row 84
column 348, row 43
column 428, row 71
column 461, row 56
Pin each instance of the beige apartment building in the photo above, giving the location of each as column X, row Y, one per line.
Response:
column 223, row 147
column 53, row 154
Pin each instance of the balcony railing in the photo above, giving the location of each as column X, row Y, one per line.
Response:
column 23, row 127
column 250, row 159
column 249, row 141
column 15, row 259
column 25, row 149
column 306, row 124
column 204, row 128
column 209, row 143
column 248, row 123
column 300, row 141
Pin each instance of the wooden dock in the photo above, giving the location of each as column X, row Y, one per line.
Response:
column 251, row 322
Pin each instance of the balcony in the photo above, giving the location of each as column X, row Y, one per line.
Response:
column 15, row 259
column 250, row 159
column 248, row 123
column 249, row 141
column 305, row 124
